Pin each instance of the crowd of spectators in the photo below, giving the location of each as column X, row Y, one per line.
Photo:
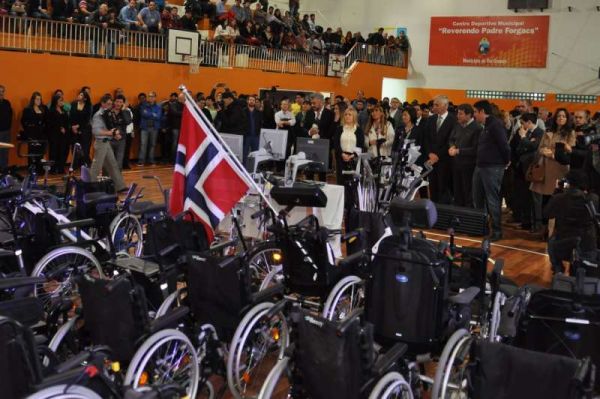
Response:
column 481, row 156
column 247, row 22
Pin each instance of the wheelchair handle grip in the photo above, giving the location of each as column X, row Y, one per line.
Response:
column 352, row 235
column 72, row 362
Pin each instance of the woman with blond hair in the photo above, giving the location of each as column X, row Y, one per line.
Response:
column 380, row 133
column 348, row 137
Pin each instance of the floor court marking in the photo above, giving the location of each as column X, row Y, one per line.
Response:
column 493, row 244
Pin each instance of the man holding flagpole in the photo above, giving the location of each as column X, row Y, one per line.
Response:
column 208, row 180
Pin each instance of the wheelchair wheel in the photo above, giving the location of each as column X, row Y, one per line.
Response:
column 65, row 342
column 274, row 379
column 170, row 302
column 166, row 357
column 347, row 295
column 265, row 263
column 257, row 342
column 392, row 385
column 59, row 266
column 127, row 233
column 450, row 380
column 65, row 392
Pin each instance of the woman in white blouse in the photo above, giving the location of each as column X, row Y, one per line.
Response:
column 347, row 138
column 379, row 128
column 285, row 120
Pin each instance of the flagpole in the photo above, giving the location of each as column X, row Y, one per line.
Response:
column 228, row 150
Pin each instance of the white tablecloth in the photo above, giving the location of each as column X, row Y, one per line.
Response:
column 330, row 217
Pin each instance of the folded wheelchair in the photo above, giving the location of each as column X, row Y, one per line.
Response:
column 336, row 359
column 475, row 368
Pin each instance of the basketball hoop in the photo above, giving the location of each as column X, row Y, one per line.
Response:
column 194, row 63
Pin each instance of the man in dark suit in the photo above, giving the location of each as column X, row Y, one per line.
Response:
column 304, row 120
column 525, row 145
column 438, row 129
column 321, row 127
column 232, row 115
column 254, row 119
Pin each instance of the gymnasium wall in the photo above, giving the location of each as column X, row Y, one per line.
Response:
column 24, row 73
column 573, row 56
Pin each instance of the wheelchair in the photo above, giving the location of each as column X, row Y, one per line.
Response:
column 475, row 368
column 152, row 351
column 410, row 278
column 328, row 359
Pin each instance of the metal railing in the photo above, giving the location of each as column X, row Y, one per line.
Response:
column 225, row 55
column 57, row 37
column 376, row 55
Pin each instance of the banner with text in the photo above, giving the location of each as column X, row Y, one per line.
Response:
column 505, row 42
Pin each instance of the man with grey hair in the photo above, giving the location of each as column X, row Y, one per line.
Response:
column 104, row 132
column 322, row 125
column 438, row 128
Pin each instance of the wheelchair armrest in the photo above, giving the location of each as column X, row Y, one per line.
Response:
column 352, row 260
column 78, row 224
column 168, row 319
column 268, row 293
column 16, row 282
column 73, row 362
column 498, row 267
column 347, row 322
column 385, row 361
column 223, row 245
column 168, row 250
column 278, row 307
column 465, row 297
column 6, row 253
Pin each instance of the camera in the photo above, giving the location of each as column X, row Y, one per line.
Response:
column 591, row 135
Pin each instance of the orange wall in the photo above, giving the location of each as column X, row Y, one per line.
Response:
column 24, row 73
column 460, row 96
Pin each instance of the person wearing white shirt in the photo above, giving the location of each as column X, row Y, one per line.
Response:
column 285, row 120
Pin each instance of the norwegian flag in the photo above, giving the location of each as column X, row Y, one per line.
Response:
column 206, row 181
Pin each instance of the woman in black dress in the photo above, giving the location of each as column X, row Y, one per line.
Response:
column 34, row 121
column 58, row 134
column 81, row 127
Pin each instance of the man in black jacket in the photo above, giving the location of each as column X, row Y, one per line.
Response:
column 524, row 145
column 174, row 115
column 254, row 118
column 463, row 149
column 233, row 116
column 493, row 156
column 304, row 120
column 573, row 221
column 6, row 115
column 437, row 134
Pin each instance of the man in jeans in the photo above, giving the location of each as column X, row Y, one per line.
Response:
column 493, row 157
column 104, row 133
column 151, row 118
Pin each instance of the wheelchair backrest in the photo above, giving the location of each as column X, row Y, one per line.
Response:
column 308, row 260
column 407, row 290
column 500, row 371
column 217, row 293
column 327, row 363
column 115, row 314
column 562, row 323
column 19, row 364
column 27, row 311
